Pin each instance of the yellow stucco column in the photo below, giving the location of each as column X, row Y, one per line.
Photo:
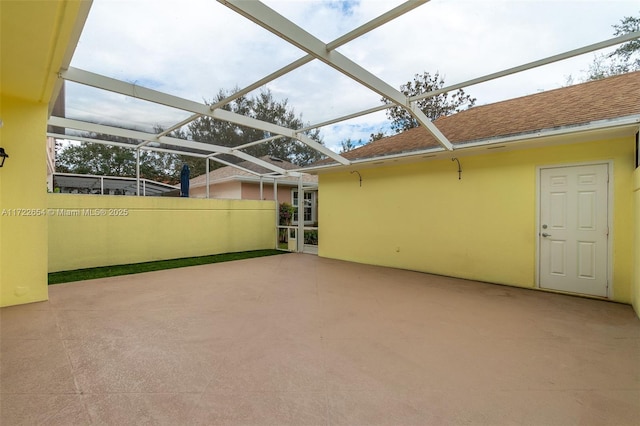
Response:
column 23, row 220
column 37, row 39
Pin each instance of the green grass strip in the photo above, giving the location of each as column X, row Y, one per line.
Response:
column 135, row 268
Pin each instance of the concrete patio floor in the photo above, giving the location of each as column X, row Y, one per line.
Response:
column 297, row 339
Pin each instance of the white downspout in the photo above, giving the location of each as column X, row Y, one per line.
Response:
column 261, row 188
column 275, row 198
column 207, row 177
column 137, row 172
column 300, row 215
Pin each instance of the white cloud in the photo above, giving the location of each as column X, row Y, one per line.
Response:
column 194, row 48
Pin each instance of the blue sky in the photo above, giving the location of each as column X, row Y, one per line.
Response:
column 194, row 48
column 346, row 8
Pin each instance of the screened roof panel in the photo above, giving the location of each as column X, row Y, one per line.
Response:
column 163, row 76
column 189, row 50
column 103, row 107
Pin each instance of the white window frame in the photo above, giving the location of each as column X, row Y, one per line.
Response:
column 312, row 207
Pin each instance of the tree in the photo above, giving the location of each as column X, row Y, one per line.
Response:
column 349, row 145
column 624, row 59
column 197, row 165
column 629, row 51
column 604, row 66
column 110, row 160
column 262, row 107
column 433, row 107
column 376, row 136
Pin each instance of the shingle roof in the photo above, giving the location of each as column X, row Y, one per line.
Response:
column 609, row 98
column 229, row 172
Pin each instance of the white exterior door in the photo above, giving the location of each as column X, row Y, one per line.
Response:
column 573, row 229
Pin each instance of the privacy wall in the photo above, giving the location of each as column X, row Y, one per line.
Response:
column 87, row 231
column 421, row 217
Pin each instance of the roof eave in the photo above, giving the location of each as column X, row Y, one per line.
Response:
column 619, row 122
column 521, row 140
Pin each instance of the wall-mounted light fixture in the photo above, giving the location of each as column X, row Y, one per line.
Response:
column 3, row 156
column 359, row 175
column 459, row 167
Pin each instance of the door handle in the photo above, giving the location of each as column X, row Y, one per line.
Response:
column 544, row 234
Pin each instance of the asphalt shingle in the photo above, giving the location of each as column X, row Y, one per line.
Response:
column 605, row 99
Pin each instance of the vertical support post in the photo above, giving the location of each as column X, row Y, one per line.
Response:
column 300, row 216
column 137, row 172
column 207, row 176
column 101, row 185
column 275, row 191
column 144, row 187
column 261, row 189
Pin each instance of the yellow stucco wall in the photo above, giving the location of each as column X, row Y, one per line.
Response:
column 635, row 298
column 87, row 231
column 421, row 217
column 23, row 238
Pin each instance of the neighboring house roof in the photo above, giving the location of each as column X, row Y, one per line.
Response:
column 229, row 173
column 605, row 99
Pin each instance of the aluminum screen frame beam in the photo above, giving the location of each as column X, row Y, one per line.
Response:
column 73, row 74
column 488, row 77
column 287, row 30
column 524, row 67
column 150, row 137
column 164, row 150
column 87, row 78
column 342, row 40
